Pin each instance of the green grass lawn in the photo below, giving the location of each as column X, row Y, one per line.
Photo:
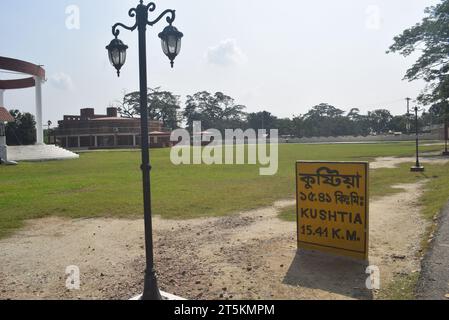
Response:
column 109, row 184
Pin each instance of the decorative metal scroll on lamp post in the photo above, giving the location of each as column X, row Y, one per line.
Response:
column 171, row 46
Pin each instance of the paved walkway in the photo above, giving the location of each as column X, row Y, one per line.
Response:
column 434, row 281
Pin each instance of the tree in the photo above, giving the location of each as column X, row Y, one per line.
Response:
column 379, row 120
column 261, row 120
column 359, row 124
column 324, row 110
column 285, row 127
column 430, row 38
column 297, row 124
column 398, row 124
column 217, row 111
column 162, row 106
column 232, row 114
column 440, row 112
column 325, row 120
column 22, row 131
column 354, row 114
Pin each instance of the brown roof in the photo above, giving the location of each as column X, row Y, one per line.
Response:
column 5, row 116
column 160, row 133
column 114, row 119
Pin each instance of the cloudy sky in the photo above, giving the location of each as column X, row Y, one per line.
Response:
column 282, row 56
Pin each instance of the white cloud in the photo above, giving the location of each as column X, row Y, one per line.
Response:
column 61, row 81
column 225, row 53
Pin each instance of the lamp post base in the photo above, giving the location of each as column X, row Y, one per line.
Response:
column 417, row 169
column 165, row 296
column 151, row 291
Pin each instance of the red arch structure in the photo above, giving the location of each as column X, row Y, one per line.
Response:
column 34, row 77
column 20, row 66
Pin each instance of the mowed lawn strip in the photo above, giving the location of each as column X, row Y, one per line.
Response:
column 108, row 184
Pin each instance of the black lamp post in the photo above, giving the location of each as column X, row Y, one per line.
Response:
column 417, row 167
column 446, row 137
column 171, row 45
column 49, row 123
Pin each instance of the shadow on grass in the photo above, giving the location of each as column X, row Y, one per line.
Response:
column 329, row 273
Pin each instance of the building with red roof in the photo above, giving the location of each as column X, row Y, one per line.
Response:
column 5, row 116
column 107, row 131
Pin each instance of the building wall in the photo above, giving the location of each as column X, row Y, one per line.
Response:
column 91, row 131
column 111, row 141
column 387, row 138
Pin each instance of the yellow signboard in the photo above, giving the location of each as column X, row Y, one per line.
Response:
column 333, row 207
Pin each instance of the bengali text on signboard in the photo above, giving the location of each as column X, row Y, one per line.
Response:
column 332, row 207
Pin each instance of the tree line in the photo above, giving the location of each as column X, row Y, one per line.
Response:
column 220, row 111
column 428, row 38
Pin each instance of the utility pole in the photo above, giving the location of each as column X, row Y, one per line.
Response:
column 417, row 167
